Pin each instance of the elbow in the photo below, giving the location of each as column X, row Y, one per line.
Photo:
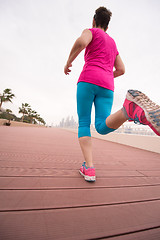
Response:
column 121, row 71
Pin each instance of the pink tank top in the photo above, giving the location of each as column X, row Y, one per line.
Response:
column 99, row 59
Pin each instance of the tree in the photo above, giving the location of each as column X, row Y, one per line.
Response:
column 31, row 114
column 9, row 115
column 41, row 120
column 7, row 96
column 24, row 109
column 38, row 118
column 8, row 111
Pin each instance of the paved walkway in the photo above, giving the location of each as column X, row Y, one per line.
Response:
column 42, row 195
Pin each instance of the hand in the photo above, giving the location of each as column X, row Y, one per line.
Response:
column 66, row 69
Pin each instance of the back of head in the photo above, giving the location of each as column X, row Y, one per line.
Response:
column 102, row 17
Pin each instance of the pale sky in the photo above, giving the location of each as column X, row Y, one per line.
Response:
column 36, row 37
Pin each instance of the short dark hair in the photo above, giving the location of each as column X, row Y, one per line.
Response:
column 102, row 17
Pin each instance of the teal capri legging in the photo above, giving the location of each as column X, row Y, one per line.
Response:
column 87, row 94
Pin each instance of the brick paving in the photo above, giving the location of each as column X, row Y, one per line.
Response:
column 43, row 196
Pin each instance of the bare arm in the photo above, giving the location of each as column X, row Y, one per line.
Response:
column 119, row 67
column 81, row 43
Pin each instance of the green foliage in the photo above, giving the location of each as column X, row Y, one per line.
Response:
column 8, row 116
column 28, row 115
column 6, row 96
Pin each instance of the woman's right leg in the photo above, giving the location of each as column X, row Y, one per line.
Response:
column 85, row 97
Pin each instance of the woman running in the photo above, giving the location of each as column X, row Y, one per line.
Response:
column 96, row 85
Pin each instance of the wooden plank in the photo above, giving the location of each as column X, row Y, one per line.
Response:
column 62, row 172
column 151, row 173
column 152, row 234
column 121, row 201
column 55, row 163
column 43, row 199
column 80, row 223
column 60, row 183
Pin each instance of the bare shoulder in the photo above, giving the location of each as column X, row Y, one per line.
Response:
column 87, row 32
column 86, row 37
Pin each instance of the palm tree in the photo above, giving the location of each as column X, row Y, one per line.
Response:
column 35, row 117
column 6, row 96
column 41, row 120
column 38, row 118
column 24, row 109
column 31, row 114
column 9, row 111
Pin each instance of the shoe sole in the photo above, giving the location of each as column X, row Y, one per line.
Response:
column 88, row 178
column 132, row 96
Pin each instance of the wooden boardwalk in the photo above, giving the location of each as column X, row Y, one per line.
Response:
column 43, row 196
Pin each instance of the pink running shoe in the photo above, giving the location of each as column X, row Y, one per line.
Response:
column 140, row 109
column 88, row 173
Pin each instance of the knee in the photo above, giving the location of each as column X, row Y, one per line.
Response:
column 84, row 127
column 84, row 132
column 103, row 129
column 100, row 130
